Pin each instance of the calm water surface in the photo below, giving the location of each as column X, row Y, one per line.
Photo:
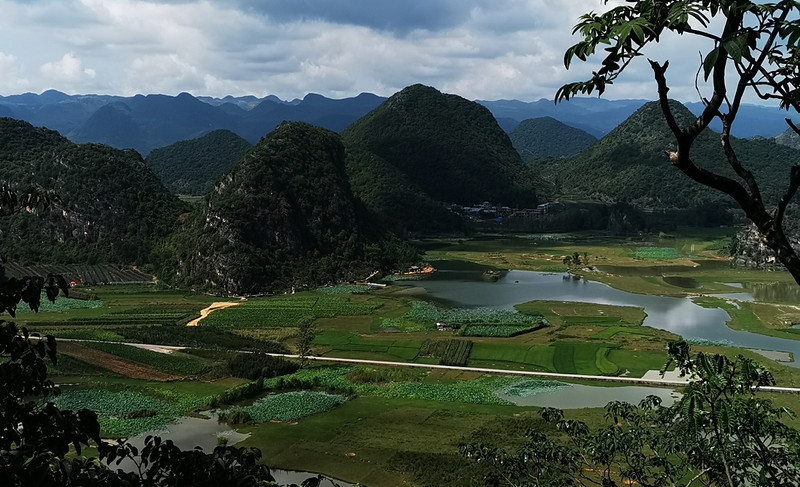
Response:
column 460, row 284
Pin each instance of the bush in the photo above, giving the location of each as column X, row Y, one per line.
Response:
column 253, row 366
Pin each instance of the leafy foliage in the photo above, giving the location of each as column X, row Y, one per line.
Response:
column 422, row 146
column 110, row 207
column 720, row 432
column 253, row 366
column 193, row 166
column 547, row 137
column 288, row 406
column 755, row 47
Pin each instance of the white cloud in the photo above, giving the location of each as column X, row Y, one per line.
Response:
column 478, row 49
column 68, row 70
column 12, row 76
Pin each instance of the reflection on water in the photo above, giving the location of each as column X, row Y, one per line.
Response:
column 683, row 282
column 578, row 396
column 460, row 284
column 774, row 292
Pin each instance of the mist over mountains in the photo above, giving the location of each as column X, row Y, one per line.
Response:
column 147, row 122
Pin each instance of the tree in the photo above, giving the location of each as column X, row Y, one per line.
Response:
column 757, row 46
column 719, row 433
column 305, row 337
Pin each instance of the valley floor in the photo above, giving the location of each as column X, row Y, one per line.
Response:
column 403, row 426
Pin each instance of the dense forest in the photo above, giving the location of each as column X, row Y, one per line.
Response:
column 110, row 208
column 283, row 217
column 450, row 147
column 547, row 137
column 191, row 167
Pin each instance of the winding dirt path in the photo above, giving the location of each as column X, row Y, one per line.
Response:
column 211, row 308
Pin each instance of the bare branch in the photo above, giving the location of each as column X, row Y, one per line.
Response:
column 794, row 184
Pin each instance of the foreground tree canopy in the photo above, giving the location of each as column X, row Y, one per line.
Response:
column 719, row 433
column 756, row 46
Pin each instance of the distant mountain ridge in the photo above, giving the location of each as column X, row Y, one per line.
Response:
column 547, row 137
column 147, row 122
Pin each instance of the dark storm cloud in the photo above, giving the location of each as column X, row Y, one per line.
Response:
column 400, row 17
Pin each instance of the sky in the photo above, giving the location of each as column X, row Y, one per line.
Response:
column 479, row 49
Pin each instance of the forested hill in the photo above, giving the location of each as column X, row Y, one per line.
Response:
column 192, row 166
column 111, row 207
column 629, row 164
column 450, row 148
column 284, row 216
column 547, row 137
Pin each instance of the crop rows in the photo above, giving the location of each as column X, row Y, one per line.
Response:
column 290, row 406
column 61, row 304
column 655, row 253
column 349, row 342
column 344, row 289
column 176, row 363
column 449, row 352
column 286, row 311
column 83, row 274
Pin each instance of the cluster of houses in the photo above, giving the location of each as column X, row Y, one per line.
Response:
column 491, row 211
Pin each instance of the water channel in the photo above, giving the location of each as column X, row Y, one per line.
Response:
column 461, row 284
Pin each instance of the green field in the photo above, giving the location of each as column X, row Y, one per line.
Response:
column 387, row 409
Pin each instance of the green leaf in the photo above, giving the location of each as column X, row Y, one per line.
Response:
column 709, row 62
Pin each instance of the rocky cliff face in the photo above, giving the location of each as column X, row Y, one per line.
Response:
column 749, row 251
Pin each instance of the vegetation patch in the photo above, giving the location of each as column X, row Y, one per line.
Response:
column 349, row 342
column 176, row 363
column 449, row 352
column 280, row 311
column 343, row 289
column 288, row 406
column 127, row 413
column 655, row 253
column 470, row 321
column 253, row 366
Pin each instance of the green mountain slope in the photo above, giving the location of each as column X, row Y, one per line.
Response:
column 112, row 207
column 284, row 216
column 629, row 165
column 192, row 166
column 547, row 137
column 450, row 148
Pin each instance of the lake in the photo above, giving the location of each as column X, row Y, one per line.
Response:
column 460, row 284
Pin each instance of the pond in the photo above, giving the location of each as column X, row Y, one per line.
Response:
column 202, row 430
column 460, row 284
column 577, row 396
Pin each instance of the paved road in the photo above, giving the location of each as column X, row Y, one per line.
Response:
column 670, row 381
column 666, row 382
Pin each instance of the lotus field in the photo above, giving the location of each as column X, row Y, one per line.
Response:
column 289, row 406
column 112, row 408
column 473, row 321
